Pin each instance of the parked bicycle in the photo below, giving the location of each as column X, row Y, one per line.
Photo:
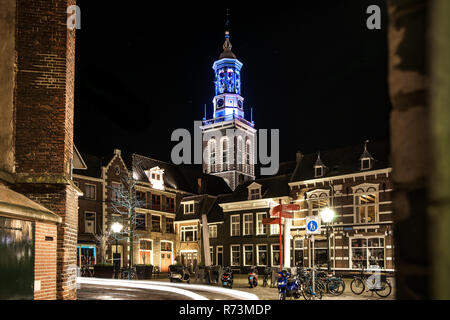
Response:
column 306, row 286
column 377, row 283
column 86, row 271
column 334, row 285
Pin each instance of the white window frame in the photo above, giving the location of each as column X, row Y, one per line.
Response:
column 183, row 232
column 95, row 221
column 362, row 190
column 211, row 255
column 367, row 249
column 245, row 223
column 231, row 255
column 212, row 230
column 244, row 254
column 232, row 224
column 317, row 195
column 257, row 254
column 258, row 214
column 189, row 205
column 225, row 151
column 272, row 252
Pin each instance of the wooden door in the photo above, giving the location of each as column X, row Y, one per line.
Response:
column 166, row 261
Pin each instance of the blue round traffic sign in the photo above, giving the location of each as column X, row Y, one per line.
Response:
column 312, row 226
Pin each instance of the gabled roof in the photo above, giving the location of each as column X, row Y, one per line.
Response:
column 179, row 177
column 203, row 204
column 275, row 186
column 342, row 161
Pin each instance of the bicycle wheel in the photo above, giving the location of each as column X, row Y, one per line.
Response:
column 321, row 286
column 385, row 290
column 357, row 286
column 336, row 287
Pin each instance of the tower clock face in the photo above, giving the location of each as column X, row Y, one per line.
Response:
column 220, row 103
column 240, row 104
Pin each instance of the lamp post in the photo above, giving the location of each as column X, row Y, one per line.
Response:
column 116, row 227
column 327, row 216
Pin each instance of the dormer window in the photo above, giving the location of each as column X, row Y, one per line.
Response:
column 366, row 158
column 254, row 191
column 155, row 177
column 319, row 167
column 318, row 172
column 366, row 164
column 188, row 207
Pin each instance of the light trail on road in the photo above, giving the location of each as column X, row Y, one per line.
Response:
column 178, row 288
column 140, row 285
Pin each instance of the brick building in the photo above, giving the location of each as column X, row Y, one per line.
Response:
column 160, row 189
column 356, row 183
column 38, row 199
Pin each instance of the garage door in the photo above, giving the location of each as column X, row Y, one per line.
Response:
column 16, row 259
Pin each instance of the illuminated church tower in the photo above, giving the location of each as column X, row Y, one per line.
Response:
column 231, row 157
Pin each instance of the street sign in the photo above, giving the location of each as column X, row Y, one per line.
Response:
column 312, row 225
column 271, row 221
column 284, row 210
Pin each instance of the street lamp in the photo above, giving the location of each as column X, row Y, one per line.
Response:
column 327, row 216
column 116, row 227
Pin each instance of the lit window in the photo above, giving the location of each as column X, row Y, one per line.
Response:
column 188, row 208
column 225, row 151
column 235, row 225
column 248, row 224
column 213, row 231
column 367, row 253
column 261, row 228
column 248, row 255
column 188, row 233
column 235, row 255
column 255, row 193
column 261, row 252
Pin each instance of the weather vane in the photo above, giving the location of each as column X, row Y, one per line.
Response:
column 227, row 22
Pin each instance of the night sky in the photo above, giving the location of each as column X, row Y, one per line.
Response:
column 313, row 71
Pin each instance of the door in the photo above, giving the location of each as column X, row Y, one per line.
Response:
column 16, row 259
column 166, row 261
column 220, row 256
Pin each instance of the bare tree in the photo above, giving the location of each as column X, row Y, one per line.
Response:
column 124, row 203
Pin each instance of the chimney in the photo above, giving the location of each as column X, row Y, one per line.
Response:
column 199, row 182
column 298, row 156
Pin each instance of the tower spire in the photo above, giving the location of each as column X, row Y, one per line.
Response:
column 227, row 53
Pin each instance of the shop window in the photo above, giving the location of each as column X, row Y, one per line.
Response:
column 367, row 253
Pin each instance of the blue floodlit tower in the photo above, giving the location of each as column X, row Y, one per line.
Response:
column 231, row 158
column 227, row 70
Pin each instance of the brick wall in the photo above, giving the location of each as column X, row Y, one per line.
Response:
column 44, row 87
column 45, row 261
column 43, row 99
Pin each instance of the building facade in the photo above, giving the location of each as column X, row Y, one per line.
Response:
column 357, row 185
